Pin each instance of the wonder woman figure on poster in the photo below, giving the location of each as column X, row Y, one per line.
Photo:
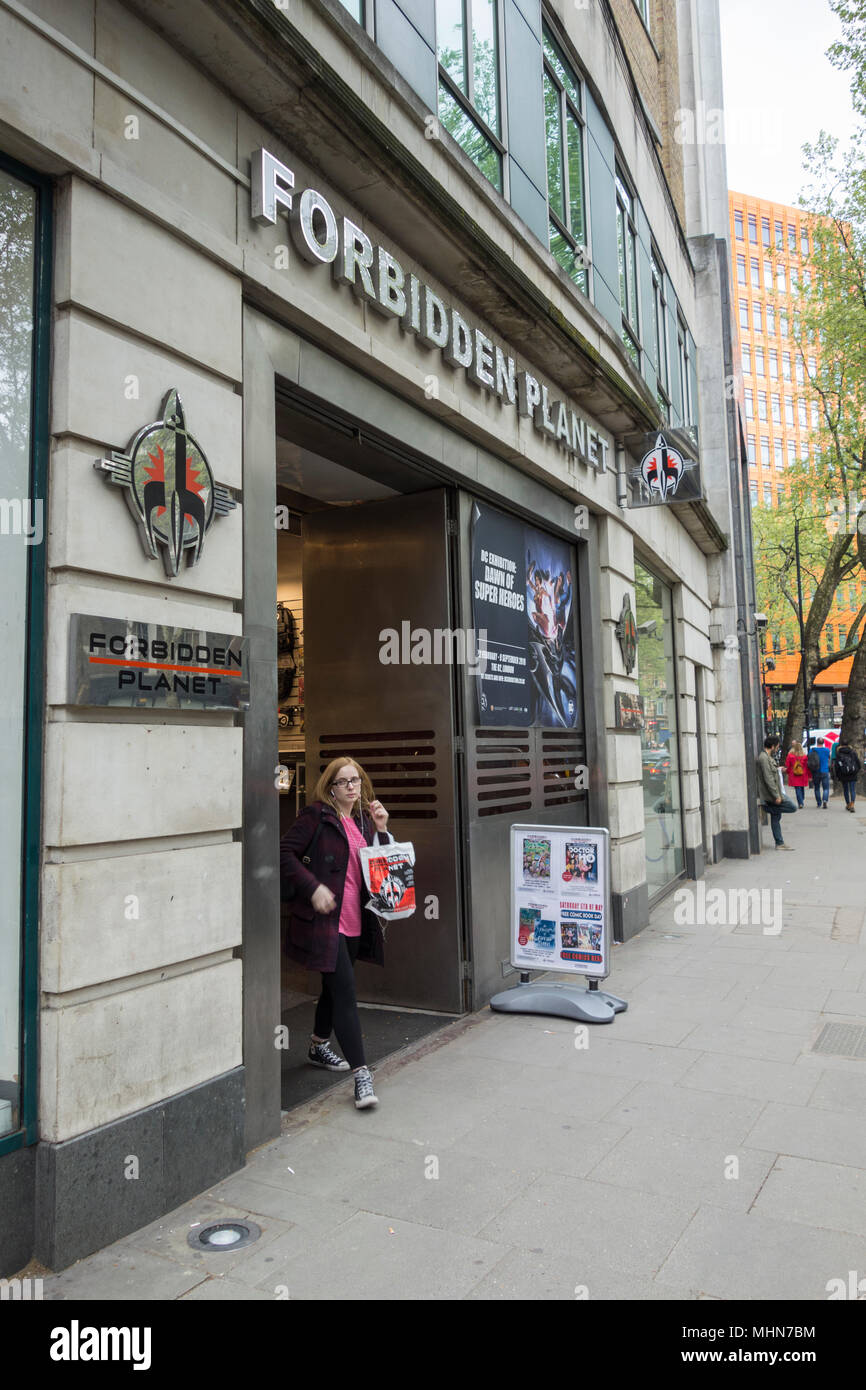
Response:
column 551, row 638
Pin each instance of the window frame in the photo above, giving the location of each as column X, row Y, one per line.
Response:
column 27, row 1132
column 631, row 327
column 465, row 100
column 566, row 108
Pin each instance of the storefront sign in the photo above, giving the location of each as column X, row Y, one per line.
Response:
column 147, row 665
column 169, row 487
column 560, row 917
column 323, row 238
column 523, row 596
column 668, row 471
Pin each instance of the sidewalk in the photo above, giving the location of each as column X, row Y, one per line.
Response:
column 698, row 1146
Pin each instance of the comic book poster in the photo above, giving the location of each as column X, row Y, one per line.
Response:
column 559, row 899
column 523, row 600
column 536, row 862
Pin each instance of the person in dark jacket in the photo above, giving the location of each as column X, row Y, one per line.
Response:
column 846, row 766
column 769, row 790
column 328, row 926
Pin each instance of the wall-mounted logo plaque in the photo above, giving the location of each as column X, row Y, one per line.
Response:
column 118, row 661
column 170, row 487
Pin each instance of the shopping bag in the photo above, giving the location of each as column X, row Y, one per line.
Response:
column 389, row 874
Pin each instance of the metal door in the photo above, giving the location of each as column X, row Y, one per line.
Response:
column 366, row 569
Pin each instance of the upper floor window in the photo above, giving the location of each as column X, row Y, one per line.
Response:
column 685, row 371
column 804, row 242
column 753, row 228
column 626, row 239
column 771, row 320
column 765, row 230
column 741, row 270
column 738, row 226
column 779, row 236
column 660, row 336
column 792, row 238
column 467, row 39
column 355, row 8
column 566, row 192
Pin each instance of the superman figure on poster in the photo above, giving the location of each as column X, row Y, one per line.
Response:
column 551, row 634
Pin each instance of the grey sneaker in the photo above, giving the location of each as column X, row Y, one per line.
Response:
column 364, row 1089
column 321, row 1055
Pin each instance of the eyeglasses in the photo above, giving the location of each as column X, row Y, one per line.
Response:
column 347, row 782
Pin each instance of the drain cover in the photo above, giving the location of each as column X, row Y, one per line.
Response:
column 842, row 1040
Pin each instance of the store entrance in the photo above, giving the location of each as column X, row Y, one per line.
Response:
column 362, row 570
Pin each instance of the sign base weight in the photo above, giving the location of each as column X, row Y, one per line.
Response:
column 560, row 1001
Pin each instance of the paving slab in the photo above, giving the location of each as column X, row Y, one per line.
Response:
column 687, row 1112
column 828, row 1135
column 123, row 1274
column 740, row 1076
column 593, row 1223
column 758, row 1257
column 524, row 1274
column 830, row 1195
column 700, row 1171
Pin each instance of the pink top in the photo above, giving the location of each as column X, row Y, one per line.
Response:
column 350, row 911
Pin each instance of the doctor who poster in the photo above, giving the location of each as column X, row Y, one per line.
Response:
column 523, row 597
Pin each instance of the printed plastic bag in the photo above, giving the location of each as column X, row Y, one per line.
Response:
column 390, row 878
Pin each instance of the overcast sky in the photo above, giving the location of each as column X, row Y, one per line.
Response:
column 780, row 90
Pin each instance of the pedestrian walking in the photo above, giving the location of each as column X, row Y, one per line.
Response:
column 798, row 773
column 328, row 927
column 846, row 767
column 769, row 790
column 818, row 763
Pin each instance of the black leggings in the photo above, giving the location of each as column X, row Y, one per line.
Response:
column 337, row 1008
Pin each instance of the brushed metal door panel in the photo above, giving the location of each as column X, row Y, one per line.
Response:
column 369, row 568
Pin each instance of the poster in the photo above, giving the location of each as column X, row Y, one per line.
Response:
column 559, row 899
column 523, row 598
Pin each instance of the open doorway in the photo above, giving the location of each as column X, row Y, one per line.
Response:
column 364, row 547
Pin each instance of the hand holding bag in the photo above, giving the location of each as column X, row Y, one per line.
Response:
column 389, row 874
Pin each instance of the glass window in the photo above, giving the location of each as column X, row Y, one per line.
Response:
column 786, row 366
column 563, row 121
column 762, row 405
column 778, row 454
column 660, row 736
column 792, row 238
column 801, row 376
column 18, row 233
column 789, row 410
column 741, row 270
column 783, row 323
column 750, row 405
column 758, row 316
column 765, row 451
column 746, row 354
column 815, row 415
column 792, row 452
column 774, row 364
column 759, row 361
column 804, row 242
column 771, row 320
column 768, row 276
column 685, row 372
column 738, row 226
column 779, row 236
column 753, row 494
column 753, row 228
column 355, row 8
column 750, row 448
column 765, row 230
column 626, row 239
column 768, row 496
column 744, row 313
column 756, row 273
column 801, row 413
column 776, row 410
column 780, row 495
column 660, row 334
column 469, row 81
column 781, row 282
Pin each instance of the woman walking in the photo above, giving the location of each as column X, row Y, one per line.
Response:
column 328, row 928
column 799, row 776
column 846, row 768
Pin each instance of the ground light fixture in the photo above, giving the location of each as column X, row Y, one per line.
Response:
column 223, row 1235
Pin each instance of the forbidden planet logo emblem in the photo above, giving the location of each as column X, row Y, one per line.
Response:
column 170, row 487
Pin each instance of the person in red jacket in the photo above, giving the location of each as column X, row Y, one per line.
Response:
column 328, row 927
column 798, row 772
